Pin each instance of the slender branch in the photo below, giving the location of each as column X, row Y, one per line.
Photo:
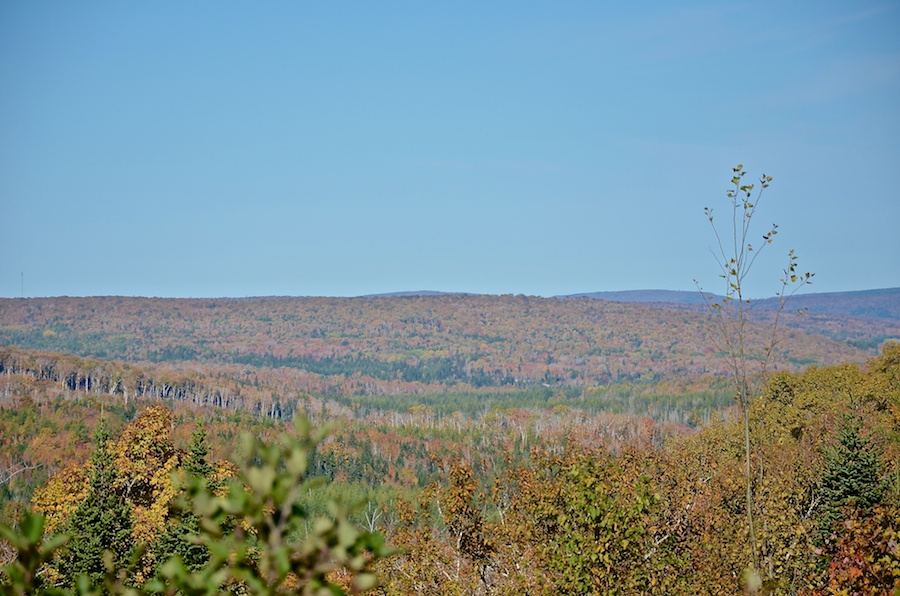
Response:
column 13, row 470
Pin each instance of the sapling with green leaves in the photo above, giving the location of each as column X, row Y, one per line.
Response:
column 748, row 358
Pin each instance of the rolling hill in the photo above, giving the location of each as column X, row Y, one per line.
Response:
column 410, row 344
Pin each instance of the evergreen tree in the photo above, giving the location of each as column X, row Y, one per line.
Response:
column 852, row 476
column 178, row 538
column 198, row 454
column 102, row 522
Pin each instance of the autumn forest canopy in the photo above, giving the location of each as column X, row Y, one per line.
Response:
column 297, row 298
column 472, row 444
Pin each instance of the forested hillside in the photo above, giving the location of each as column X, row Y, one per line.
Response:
column 505, row 444
column 391, row 345
column 553, row 501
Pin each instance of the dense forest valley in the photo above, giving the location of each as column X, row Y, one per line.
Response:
column 472, row 444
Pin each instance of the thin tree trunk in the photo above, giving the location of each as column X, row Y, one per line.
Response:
column 749, row 488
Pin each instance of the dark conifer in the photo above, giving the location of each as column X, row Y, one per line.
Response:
column 101, row 523
column 178, row 540
column 852, row 476
column 198, row 454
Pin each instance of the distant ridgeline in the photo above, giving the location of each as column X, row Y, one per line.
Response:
column 878, row 304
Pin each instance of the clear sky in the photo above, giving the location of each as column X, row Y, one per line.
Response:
column 338, row 149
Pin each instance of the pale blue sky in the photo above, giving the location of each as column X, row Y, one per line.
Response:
column 275, row 148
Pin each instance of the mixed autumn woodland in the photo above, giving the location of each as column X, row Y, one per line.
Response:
column 474, row 445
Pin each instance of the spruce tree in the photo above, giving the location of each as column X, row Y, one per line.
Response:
column 198, row 454
column 852, row 476
column 102, row 522
column 177, row 540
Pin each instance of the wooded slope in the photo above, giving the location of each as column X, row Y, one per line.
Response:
column 371, row 346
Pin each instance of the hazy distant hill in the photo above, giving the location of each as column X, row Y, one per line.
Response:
column 863, row 319
column 878, row 304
